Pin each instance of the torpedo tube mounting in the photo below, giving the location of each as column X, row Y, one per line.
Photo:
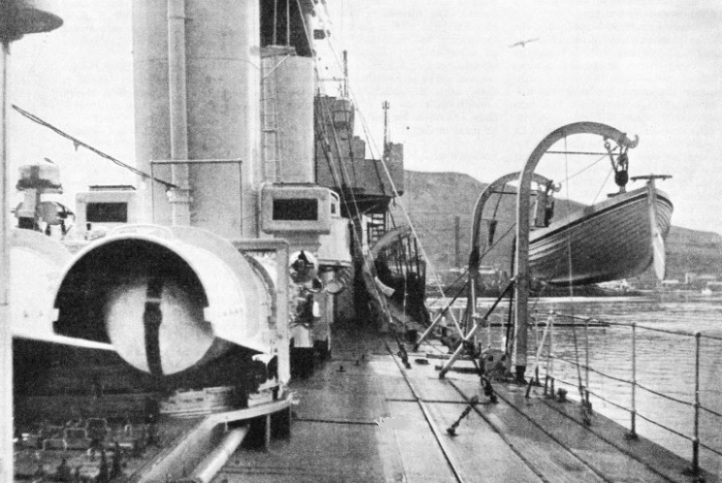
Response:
column 166, row 298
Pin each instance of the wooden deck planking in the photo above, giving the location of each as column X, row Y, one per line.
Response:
column 578, row 441
column 533, row 449
column 603, row 445
column 481, row 453
column 661, row 459
column 316, row 452
column 421, row 455
column 365, row 424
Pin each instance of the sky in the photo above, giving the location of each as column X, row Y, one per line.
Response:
column 461, row 98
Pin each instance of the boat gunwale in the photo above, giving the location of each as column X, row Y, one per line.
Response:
column 587, row 213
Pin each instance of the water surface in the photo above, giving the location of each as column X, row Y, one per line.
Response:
column 665, row 362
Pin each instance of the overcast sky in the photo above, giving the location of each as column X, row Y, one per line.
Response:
column 461, row 98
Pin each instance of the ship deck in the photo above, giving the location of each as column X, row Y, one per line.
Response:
column 364, row 417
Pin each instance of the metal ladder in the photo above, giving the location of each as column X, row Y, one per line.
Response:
column 269, row 122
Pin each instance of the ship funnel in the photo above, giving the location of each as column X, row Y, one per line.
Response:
column 166, row 298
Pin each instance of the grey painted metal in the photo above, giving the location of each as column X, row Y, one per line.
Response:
column 237, row 302
column 223, row 87
column 36, row 260
column 478, row 323
column 280, row 250
column 695, row 438
column 7, row 471
column 633, row 412
column 694, row 468
column 550, row 362
column 212, row 463
column 522, row 272
column 586, row 354
column 201, row 440
column 288, row 84
column 21, row 17
column 540, row 349
column 436, row 322
column 476, row 226
column 178, row 111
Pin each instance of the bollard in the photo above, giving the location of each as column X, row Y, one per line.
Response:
column 586, row 408
column 528, row 388
column 553, row 390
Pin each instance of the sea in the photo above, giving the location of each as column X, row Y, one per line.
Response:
column 666, row 353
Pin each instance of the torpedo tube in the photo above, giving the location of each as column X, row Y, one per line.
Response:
column 166, row 298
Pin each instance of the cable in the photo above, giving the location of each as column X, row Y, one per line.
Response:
column 388, row 175
column 344, row 179
column 77, row 142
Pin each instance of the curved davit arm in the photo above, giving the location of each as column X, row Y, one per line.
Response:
column 522, row 275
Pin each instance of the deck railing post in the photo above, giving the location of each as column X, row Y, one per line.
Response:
column 550, row 368
column 695, row 440
column 586, row 356
column 633, row 412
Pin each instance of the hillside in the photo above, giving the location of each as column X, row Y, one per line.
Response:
column 435, row 200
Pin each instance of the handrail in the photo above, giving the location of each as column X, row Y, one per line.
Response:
column 583, row 366
column 665, row 396
column 609, row 401
column 623, row 408
column 627, row 381
column 695, row 404
column 658, row 424
column 711, row 411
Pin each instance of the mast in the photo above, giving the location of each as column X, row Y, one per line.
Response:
column 386, row 106
column 344, row 92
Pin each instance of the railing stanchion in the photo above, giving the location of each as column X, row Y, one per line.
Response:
column 633, row 412
column 695, row 440
column 694, row 468
column 586, row 352
column 550, row 369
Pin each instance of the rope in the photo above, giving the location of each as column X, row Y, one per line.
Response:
column 463, row 274
column 357, row 239
column 601, row 188
column 588, row 166
column 585, row 409
column 78, row 143
column 395, row 191
column 372, row 145
column 509, row 325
